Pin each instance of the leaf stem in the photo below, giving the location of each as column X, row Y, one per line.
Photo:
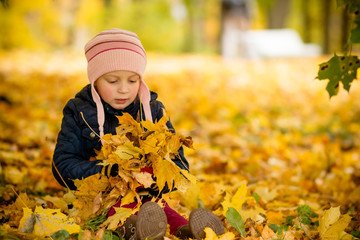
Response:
column 60, row 175
column 18, row 196
column 82, row 115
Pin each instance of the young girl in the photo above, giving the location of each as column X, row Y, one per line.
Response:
column 116, row 64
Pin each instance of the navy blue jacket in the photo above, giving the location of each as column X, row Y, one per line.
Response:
column 76, row 143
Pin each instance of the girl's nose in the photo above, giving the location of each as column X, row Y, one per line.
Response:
column 122, row 88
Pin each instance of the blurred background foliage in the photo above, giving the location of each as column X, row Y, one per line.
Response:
column 166, row 26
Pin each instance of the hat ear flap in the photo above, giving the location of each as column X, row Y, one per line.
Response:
column 144, row 94
column 99, row 108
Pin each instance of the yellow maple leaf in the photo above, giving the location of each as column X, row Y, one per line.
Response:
column 211, row 235
column 87, row 190
column 149, row 142
column 330, row 216
column 128, row 124
column 173, row 143
column 58, row 202
column 188, row 199
column 128, row 151
column 274, row 217
column 24, row 201
column 265, row 193
column 107, row 148
column 235, row 201
column 183, row 184
column 69, row 197
column 27, row 221
column 128, row 198
column 166, row 171
column 45, row 222
column 158, row 126
column 332, row 224
column 211, row 192
column 121, row 214
column 91, row 185
column 144, row 178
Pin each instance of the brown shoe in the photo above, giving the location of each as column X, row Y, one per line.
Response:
column 151, row 222
column 184, row 232
column 201, row 218
column 128, row 229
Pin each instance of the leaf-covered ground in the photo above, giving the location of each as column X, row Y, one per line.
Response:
column 268, row 141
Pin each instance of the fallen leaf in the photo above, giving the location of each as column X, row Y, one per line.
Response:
column 144, row 178
column 267, row 233
column 97, row 202
column 211, row 235
column 332, row 224
column 27, row 222
column 45, row 222
column 121, row 214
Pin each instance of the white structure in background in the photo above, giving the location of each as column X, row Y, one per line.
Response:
column 272, row 43
column 235, row 20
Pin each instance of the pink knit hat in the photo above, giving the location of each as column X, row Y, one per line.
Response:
column 112, row 50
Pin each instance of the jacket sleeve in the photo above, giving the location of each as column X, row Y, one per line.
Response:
column 180, row 160
column 71, row 158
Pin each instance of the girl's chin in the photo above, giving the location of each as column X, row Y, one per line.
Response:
column 119, row 106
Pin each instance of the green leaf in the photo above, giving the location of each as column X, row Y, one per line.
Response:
column 256, row 197
column 306, row 211
column 236, row 220
column 355, row 233
column 306, row 214
column 339, row 69
column 282, row 229
column 305, row 220
column 289, row 220
column 353, row 5
column 110, row 235
column 274, row 227
column 200, row 203
column 60, row 235
column 278, row 229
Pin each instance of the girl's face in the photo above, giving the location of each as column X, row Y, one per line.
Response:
column 119, row 88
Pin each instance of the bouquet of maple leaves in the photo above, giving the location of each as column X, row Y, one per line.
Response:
column 136, row 145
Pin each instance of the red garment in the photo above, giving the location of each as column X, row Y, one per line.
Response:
column 174, row 219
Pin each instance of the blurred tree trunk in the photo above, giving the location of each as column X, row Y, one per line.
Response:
column 70, row 15
column 5, row 3
column 345, row 28
column 325, row 11
column 194, row 33
column 189, row 28
column 306, row 21
column 108, row 3
column 278, row 13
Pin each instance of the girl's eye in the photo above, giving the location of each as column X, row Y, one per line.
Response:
column 133, row 80
column 111, row 80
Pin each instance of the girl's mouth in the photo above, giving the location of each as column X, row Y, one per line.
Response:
column 120, row 101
